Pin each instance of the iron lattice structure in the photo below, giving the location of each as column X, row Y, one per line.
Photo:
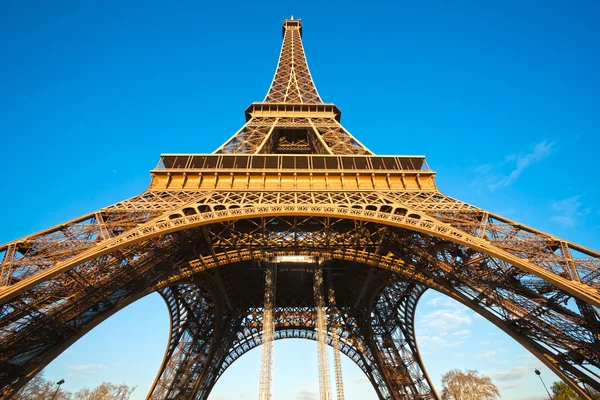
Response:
column 294, row 181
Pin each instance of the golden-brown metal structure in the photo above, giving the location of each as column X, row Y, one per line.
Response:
column 293, row 181
column 337, row 361
column 266, row 366
column 321, row 328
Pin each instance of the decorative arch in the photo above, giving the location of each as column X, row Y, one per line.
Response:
column 398, row 216
column 561, row 353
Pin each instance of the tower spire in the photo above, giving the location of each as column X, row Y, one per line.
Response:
column 292, row 82
column 293, row 119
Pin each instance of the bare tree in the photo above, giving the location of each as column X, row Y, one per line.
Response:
column 469, row 385
column 39, row 388
column 106, row 391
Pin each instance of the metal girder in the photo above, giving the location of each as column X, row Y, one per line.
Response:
column 381, row 221
column 292, row 82
column 266, row 362
column 335, row 337
column 322, row 336
column 343, row 237
column 392, row 324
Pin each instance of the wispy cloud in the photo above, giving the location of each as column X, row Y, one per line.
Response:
column 306, row 394
column 463, row 332
column 443, row 321
column 501, row 174
column 437, row 342
column 510, row 386
column 357, row 380
column 568, row 211
column 85, row 367
column 511, row 375
column 485, row 355
column 441, row 301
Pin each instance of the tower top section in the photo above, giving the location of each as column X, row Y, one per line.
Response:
column 291, row 22
column 292, row 82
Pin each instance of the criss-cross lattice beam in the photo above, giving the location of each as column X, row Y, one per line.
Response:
column 321, row 327
column 57, row 284
column 292, row 82
column 266, row 362
column 547, row 267
column 335, row 334
column 196, row 324
column 537, row 302
column 392, row 321
column 326, row 136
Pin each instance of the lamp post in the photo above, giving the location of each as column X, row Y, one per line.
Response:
column 58, row 388
column 538, row 373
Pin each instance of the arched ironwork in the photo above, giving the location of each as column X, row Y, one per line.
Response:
column 293, row 180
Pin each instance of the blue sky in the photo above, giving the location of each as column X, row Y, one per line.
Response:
column 502, row 98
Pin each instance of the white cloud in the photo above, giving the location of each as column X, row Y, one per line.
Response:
column 85, row 367
column 567, row 211
column 442, row 321
column 502, row 174
column 442, row 301
column 306, row 394
column 438, row 342
column 513, row 374
column 359, row 380
column 510, row 386
column 434, row 301
column 485, row 355
column 463, row 332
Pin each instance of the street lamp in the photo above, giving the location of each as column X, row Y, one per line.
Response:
column 538, row 373
column 58, row 388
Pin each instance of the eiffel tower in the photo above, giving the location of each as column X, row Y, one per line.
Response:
column 294, row 229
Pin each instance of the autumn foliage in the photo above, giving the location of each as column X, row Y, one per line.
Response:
column 39, row 388
column 468, row 385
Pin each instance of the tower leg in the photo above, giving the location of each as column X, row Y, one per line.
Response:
column 392, row 341
column 195, row 331
column 266, row 367
column 321, row 328
column 337, row 362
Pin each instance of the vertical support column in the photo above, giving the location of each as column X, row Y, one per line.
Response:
column 570, row 264
column 266, row 365
column 321, row 327
column 196, row 318
column 392, row 323
column 337, row 362
column 481, row 230
column 102, row 226
column 588, row 312
column 6, row 268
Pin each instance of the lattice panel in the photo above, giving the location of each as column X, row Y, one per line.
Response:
column 337, row 138
column 292, row 82
column 250, row 138
column 392, row 243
